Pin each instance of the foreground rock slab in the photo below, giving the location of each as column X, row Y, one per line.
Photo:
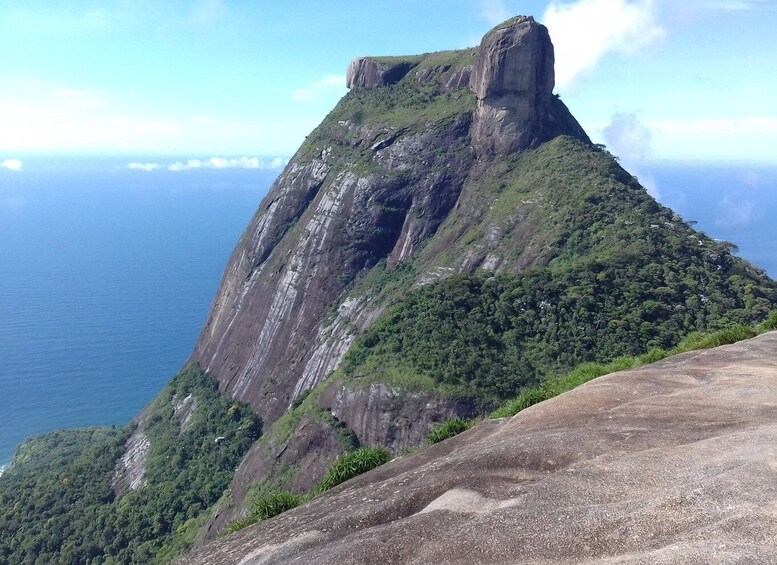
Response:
column 672, row 463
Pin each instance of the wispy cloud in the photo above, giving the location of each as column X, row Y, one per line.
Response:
column 212, row 163
column 218, row 163
column 628, row 137
column 79, row 18
column 717, row 126
column 327, row 85
column 37, row 116
column 586, row 30
column 700, row 138
column 494, row 11
column 148, row 167
column 725, row 5
column 11, row 164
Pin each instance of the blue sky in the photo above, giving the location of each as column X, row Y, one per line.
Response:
column 653, row 79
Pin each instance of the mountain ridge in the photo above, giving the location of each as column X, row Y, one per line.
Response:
column 446, row 238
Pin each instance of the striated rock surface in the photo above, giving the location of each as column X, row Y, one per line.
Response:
column 130, row 473
column 670, row 463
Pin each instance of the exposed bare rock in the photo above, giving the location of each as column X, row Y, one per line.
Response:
column 671, row 463
column 513, row 79
column 367, row 72
column 309, row 449
column 131, row 471
column 449, row 78
column 184, row 411
column 316, row 232
column 390, row 416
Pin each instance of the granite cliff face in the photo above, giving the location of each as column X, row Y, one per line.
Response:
column 513, row 78
column 432, row 165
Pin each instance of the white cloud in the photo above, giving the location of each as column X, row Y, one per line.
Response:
column 278, row 163
column 745, row 139
column 218, row 163
column 627, row 137
column 726, row 5
column 586, row 30
column 494, row 12
column 651, row 186
column 11, row 164
column 36, row 116
column 329, row 84
column 144, row 166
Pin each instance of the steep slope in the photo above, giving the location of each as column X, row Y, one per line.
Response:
column 432, row 165
column 670, row 463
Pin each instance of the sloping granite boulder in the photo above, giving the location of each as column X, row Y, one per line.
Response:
column 675, row 462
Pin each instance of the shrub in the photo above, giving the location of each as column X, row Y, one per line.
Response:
column 447, row 429
column 268, row 506
column 351, row 464
column 769, row 324
column 734, row 334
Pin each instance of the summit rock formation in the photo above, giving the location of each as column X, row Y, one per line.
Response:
column 513, row 79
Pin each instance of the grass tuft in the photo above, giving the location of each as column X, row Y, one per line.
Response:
column 267, row 507
column 447, row 429
column 352, row 464
column 553, row 386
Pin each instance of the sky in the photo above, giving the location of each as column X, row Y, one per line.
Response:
column 655, row 80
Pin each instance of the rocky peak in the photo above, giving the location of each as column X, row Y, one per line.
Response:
column 513, row 80
column 515, row 57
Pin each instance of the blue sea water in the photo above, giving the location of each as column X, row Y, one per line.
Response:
column 731, row 202
column 107, row 273
column 106, row 277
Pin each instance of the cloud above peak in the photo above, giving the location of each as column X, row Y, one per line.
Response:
column 218, row 163
column 628, row 137
column 11, row 165
column 586, row 30
column 330, row 84
column 212, row 163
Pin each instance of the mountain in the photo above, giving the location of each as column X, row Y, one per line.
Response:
column 432, row 169
column 446, row 238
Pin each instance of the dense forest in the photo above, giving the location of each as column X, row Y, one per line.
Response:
column 59, row 498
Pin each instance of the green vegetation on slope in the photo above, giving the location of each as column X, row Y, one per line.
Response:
column 273, row 502
column 487, row 336
column 351, row 464
column 608, row 272
column 447, row 429
column 405, row 106
column 553, row 385
column 57, row 499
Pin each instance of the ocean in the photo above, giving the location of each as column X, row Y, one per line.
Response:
column 106, row 277
column 107, row 272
